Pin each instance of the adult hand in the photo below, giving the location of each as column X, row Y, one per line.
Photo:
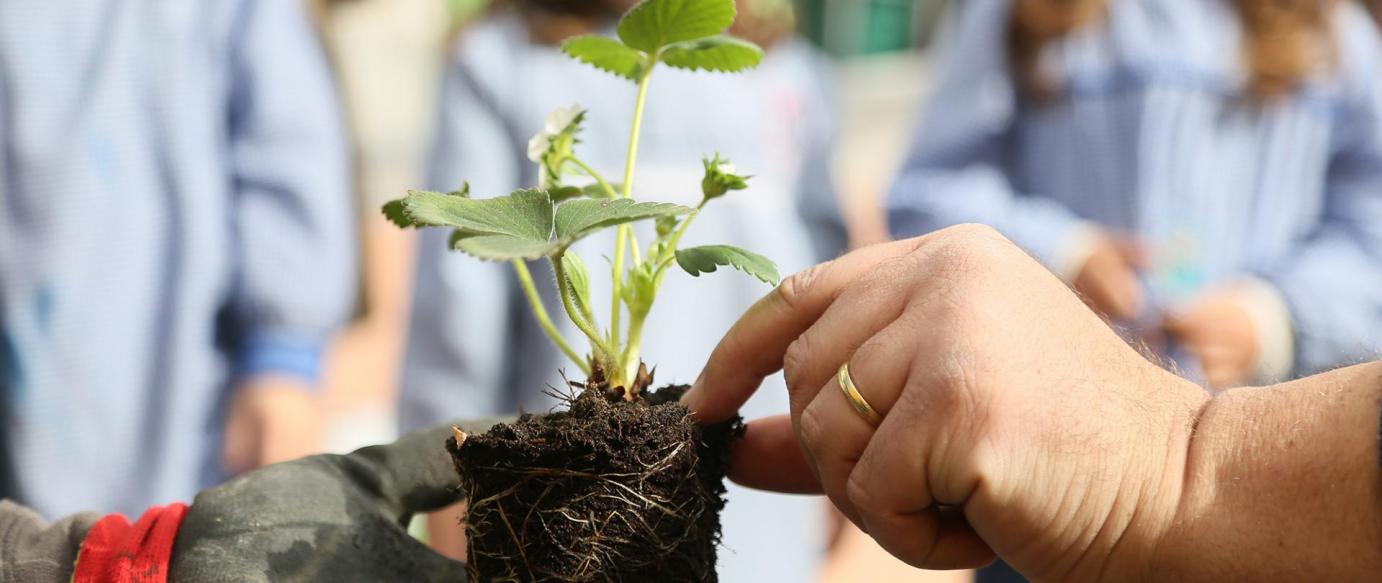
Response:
column 1107, row 281
column 1013, row 419
column 1220, row 333
column 325, row 518
column 272, row 419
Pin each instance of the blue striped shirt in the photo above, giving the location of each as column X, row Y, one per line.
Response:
column 174, row 210
column 1154, row 135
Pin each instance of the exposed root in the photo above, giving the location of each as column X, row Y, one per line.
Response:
column 609, row 491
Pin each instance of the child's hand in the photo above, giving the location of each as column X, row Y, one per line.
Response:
column 1108, row 280
column 1219, row 331
column 272, row 419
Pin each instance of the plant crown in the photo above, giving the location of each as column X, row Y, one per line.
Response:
column 544, row 222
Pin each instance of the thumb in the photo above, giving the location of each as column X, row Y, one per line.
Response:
column 769, row 457
column 415, row 473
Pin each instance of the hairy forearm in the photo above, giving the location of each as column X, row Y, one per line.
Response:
column 1282, row 483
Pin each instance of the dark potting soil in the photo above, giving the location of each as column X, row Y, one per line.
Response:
column 608, row 490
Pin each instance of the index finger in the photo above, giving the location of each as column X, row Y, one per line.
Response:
column 756, row 344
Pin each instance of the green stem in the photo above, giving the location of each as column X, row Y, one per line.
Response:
column 671, row 250
column 631, row 350
column 603, row 351
column 609, row 190
column 543, row 319
column 622, row 236
column 633, row 248
column 637, row 127
column 629, row 359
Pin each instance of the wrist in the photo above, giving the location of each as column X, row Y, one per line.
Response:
column 1138, row 496
column 1156, row 505
column 1280, row 483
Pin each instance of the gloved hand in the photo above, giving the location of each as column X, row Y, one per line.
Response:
column 325, row 518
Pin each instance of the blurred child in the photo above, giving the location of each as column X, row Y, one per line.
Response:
column 475, row 349
column 174, row 245
column 1212, row 169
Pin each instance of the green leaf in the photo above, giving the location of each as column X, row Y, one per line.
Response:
column 698, row 260
column 397, row 210
column 525, row 224
column 581, row 217
column 606, row 54
column 597, row 191
column 562, row 193
column 501, row 247
column 654, row 24
column 398, row 214
column 725, row 54
column 525, row 214
column 579, row 279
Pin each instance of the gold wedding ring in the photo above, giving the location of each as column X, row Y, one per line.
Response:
column 851, row 392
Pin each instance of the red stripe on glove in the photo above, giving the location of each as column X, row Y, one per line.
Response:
column 117, row 552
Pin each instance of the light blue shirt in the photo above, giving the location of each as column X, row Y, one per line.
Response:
column 1155, row 136
column 174, row 210
column 475, row 349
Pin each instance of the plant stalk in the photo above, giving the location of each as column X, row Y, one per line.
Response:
column 635, row 344
column 609, row 190
column 631, row 350
column 671, row 250
column 540, row 311
column 622, row 235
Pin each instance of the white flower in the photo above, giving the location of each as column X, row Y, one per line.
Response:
column 538, row 146
column 557, row 122
column 562, row 118
column 726, row 168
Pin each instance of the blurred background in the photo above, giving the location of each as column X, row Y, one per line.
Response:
column 216, row 289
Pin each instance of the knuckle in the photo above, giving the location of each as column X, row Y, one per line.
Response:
column 795, row 289
column 950, row 386
column 812, row 429
column 976, row 233
column 975, row 246
column 794, row 362
column 859, row 491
